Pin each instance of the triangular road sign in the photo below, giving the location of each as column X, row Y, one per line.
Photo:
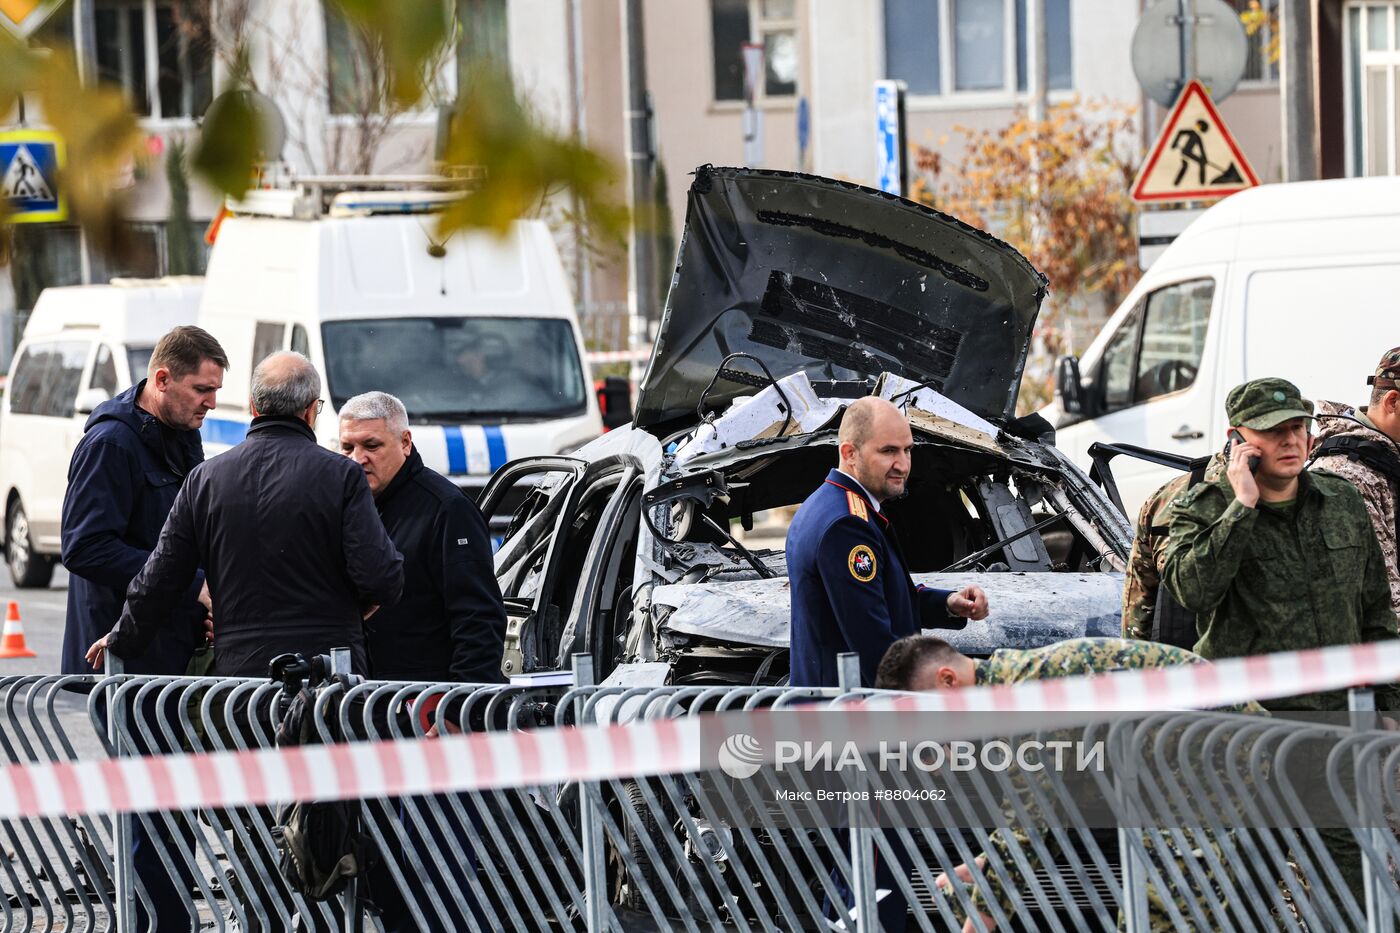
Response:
column 24, row 17
column 24, row 180
column 1195, row 157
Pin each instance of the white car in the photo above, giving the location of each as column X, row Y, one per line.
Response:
column 82, row 346
column 1297, row 280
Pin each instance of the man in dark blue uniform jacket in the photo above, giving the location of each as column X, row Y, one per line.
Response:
column 850, row 588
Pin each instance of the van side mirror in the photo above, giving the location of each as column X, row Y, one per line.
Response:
column 615, row 401
column 1068, row 388
column 88, row 399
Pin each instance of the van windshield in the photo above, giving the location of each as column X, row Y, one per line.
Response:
column 459, row 369
column 139, row 359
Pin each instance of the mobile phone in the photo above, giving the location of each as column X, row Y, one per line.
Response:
column 1237, row 438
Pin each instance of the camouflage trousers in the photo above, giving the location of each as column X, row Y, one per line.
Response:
column 1189, row 880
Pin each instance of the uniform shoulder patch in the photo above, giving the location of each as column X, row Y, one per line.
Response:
column 861, row 561
column 857, row 506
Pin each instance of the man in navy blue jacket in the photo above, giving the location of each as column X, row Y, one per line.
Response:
column 135, row 453
column 850, row 588
column 133, row 458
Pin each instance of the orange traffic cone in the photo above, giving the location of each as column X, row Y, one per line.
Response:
column 12, row 641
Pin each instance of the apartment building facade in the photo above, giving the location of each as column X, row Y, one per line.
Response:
column 964, row 63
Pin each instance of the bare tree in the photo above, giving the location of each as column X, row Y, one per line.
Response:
column 351, row 81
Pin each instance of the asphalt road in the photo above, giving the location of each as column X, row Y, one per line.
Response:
column 42, row 612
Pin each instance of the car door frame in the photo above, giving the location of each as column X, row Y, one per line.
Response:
column 602, row 562
column 1083, row 432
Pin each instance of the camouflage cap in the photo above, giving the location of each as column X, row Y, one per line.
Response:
column 1261, row 404
column 1388, row 371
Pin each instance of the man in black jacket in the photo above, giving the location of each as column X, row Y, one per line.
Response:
column 450, row 623
column 294, row 553
column 135, row 453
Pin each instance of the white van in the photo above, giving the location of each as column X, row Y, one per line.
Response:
column 1294, row 280
column 82, row 346
column 477, row 334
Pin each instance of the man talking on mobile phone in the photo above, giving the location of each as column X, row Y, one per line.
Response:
column 1273, row 558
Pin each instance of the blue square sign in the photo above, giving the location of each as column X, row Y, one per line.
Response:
column 29, row 165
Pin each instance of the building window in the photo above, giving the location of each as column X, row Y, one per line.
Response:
column 769, row 23
column 1263, row 44
column 358, row 79
column 977, row 52
column 1373, row 88
column 159, row 53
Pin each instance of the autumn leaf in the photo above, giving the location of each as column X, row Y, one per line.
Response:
column 523, row 163
column 102, row 140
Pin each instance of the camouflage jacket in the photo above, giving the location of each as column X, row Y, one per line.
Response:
column 1077, row 656
column 1149, row 554
column 1378, row 491
column 1261, row 580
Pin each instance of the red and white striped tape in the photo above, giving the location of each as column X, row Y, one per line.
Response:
column 486, row 761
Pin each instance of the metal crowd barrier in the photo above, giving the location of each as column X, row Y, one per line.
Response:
column 1232, row 841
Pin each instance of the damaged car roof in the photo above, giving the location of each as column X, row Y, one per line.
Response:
column 841, row 282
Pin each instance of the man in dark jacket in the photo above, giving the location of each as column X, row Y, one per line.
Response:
column 850, row 588
column 135, row 453
column 450, row 623
column 286, row 532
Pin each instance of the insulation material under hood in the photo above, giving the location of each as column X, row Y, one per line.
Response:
column 841, row 282
column 785, row 408
column 1027, row 610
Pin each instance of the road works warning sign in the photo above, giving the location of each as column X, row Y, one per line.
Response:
column 1195, row 157
column 29, row 164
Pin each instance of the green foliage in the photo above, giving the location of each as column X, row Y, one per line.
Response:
column 179, row 230
column 102, row 140
column 523, row 162
column 413, row 32
column 230, row 142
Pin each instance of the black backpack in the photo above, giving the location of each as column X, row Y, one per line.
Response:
column 1172, row 623
column 320, row 842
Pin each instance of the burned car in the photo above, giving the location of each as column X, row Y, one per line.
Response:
column 794, row 295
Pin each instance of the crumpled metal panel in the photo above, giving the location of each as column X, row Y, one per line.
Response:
column 1027, row 610
column 842, row 282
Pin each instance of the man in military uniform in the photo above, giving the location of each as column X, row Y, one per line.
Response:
column 924, row 662
column 1275, row 558
column 1271, row 558
column 1149, row 612
column 850, row 588
column 1363, row 448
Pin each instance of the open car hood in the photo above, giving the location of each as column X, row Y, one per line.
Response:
column 841, row 281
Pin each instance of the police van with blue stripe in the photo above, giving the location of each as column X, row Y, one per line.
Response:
column 477, row 334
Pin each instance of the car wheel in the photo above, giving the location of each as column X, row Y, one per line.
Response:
column 625, row 890
column 28, row 569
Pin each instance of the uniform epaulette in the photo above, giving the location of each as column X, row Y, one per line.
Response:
column 857, row 506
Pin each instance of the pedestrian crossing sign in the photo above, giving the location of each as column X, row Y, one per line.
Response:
column 1195, row 158
column 29, row 164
